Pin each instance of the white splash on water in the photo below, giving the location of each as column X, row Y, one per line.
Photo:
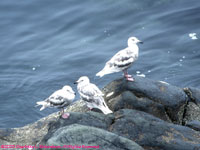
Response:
column 164, row 82
column 181, row 60
column 141, row 75
column 193, row 36
column 36, row 66
column 137, row 72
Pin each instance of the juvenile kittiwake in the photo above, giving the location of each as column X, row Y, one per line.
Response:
column 122, row 60
column 91, row 94
column 59, row 99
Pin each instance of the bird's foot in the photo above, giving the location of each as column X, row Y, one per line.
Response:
column 65, row 115
column 129, row 77
column 89, row 108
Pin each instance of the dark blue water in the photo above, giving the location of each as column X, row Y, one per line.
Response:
column 46, row 44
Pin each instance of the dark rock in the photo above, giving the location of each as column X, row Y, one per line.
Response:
column 192, row 112
column 90, row 136
column 172, row 98
column 128, row 100
column 194, row 125
column 153, row 133
column 114, row 89
column 93, row 119
column 163, row 93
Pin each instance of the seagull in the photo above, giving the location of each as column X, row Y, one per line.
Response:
column 122, row 60
column 91, row 94
column 59, row 99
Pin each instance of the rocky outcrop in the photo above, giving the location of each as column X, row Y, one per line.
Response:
column 90, row 137
column 32, row 134
column 147, row 115
column 153, row 133
column 158, row 98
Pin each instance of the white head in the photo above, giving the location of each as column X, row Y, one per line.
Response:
column 68, row 89
column 83, row 80
column 133, row 41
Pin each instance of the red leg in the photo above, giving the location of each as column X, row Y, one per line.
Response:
column 64, row 115
column 127, row 76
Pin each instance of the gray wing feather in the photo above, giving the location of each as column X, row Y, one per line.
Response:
column 122, row 59
column 57, row 100
column 91, row 93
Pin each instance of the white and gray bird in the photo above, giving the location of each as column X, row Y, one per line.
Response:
column 91, row 94
column 122, row 60
column 59, row 99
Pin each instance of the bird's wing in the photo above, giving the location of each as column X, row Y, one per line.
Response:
column 91, row 93
column 97, row 91
column 122, row 59
column 57, row 98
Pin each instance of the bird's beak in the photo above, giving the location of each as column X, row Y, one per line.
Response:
column 140, row 42
column 74, row 93
column 75, row 82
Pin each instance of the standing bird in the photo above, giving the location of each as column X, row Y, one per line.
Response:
column 122, row 60
column 59, row 99
column 91, row 94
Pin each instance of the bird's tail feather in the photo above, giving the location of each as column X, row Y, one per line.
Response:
column 105, row 71
column 106, row 110
column 100, row 74
column 43, row 103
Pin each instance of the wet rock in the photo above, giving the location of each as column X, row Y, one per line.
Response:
column 168, row 100
column 83, row 136
column 153, row 133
